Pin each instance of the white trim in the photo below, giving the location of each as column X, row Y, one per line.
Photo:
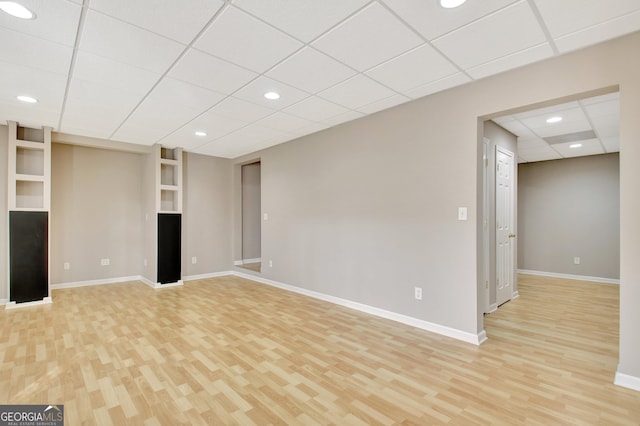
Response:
column 627, row 381
column 492, row 308
column 237, row 262
column 4, row 301
column 570, row 276
column 158, row 285
column 515, row 294
column 94, row 282
column 476, row 339
column 256, row 260
column 205, row 276
column 148, row 282
column 14, row 305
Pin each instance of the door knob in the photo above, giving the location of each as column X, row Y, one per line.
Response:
column 512, row 235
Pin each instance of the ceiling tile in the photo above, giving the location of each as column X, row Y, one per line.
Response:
column 598, row 33
column 614, row 96
column 311, row 71
column 515, row 60
column 517, row 128
column 140, row 134
column 539, row 156
column 29, row 115
column 293, row 16
column 432, row 20
column 369, row 38
column 122, row 42
column 23, row 49
column 611, row 144
column 214, row 125
column 573, row 120
column 168, row 107
column 242, row 39
column 180, row 21
column 589, row 147
column 568, row 16
column 417, row 67
column 383, row 104
column 315, row 109
column 106, row 72
column 48, row 88
column 57, row 21
column 241, row 110
column 284, row 122
column 437, row 86
column 356, row 92
column 500, row 34
column 254, row 92
column 241, row 140
column 198, row 68
column 533, row 144
column 96, row 109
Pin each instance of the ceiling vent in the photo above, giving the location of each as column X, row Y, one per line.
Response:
column 571, row 137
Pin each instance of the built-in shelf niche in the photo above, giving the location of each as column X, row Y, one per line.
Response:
column 169, row 169
column 29, row 162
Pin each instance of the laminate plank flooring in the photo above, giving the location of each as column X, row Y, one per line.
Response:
column 231, row 351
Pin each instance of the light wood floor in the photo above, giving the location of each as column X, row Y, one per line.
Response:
column 230, row 351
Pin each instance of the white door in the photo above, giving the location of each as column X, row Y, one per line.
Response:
column 505, row 235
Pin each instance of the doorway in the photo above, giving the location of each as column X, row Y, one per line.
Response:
column 251, row 244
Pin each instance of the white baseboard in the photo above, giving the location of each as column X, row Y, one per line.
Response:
column 4, row 301
column 476, row 339
column 14, row 305
column 515, row 295
column 627, row 381
column 158, row 285
column 492, row 308
column 205, row 276
column 245, row 261
column 95, row 282
column 570, row 276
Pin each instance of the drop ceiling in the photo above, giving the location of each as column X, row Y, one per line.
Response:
column 587, row 127
column 149, row 71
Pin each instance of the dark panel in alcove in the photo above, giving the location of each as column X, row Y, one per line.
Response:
column 169, row 247
column 28, row 248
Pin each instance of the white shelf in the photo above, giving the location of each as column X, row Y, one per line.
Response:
column 168, row 179
column 29, row 178
column 168, row 162
column 30, row 144
column 169, row 188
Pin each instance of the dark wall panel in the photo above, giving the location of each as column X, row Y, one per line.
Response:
column 28, row 247
column 169, row 247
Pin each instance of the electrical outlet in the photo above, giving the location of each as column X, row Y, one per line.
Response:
column 105, row 262
column 576, row 260
column 194, row 260
column 271, row 264
column 417, row 293
column 266, row 216
column 67, row 266
column 145, row 262
column 462, row 213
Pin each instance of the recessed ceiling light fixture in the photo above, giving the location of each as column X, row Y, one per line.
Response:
column 17, row 10
column 27, row 99
column 555, row 119
column 201, row 133
column 450, row 4
column 272, row 96
column 575, row 145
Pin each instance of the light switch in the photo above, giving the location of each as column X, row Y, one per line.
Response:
column 266, row 216
column 462, row 213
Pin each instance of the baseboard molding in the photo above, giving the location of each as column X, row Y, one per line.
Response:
column 4, row 301
column 569, row 276
column 95, row 282
column 627, row 381
column 205, row 276
column 158, row 285
column 515, row 295
column 475, row 339
column 14, row 305
column 492, row 308
column 245, row 261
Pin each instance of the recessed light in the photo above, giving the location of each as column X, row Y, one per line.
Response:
column 17, row 10
column 450, row 4
column 272, row 96
column 575, row 145
column 27, row 99
column 201, row 133
column 555, row 119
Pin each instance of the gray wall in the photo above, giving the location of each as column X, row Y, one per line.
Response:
column 207, row 207
column 251, row 212
column 367, row 210
column 570, row 208
column 95, row 213
column 498, row 137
